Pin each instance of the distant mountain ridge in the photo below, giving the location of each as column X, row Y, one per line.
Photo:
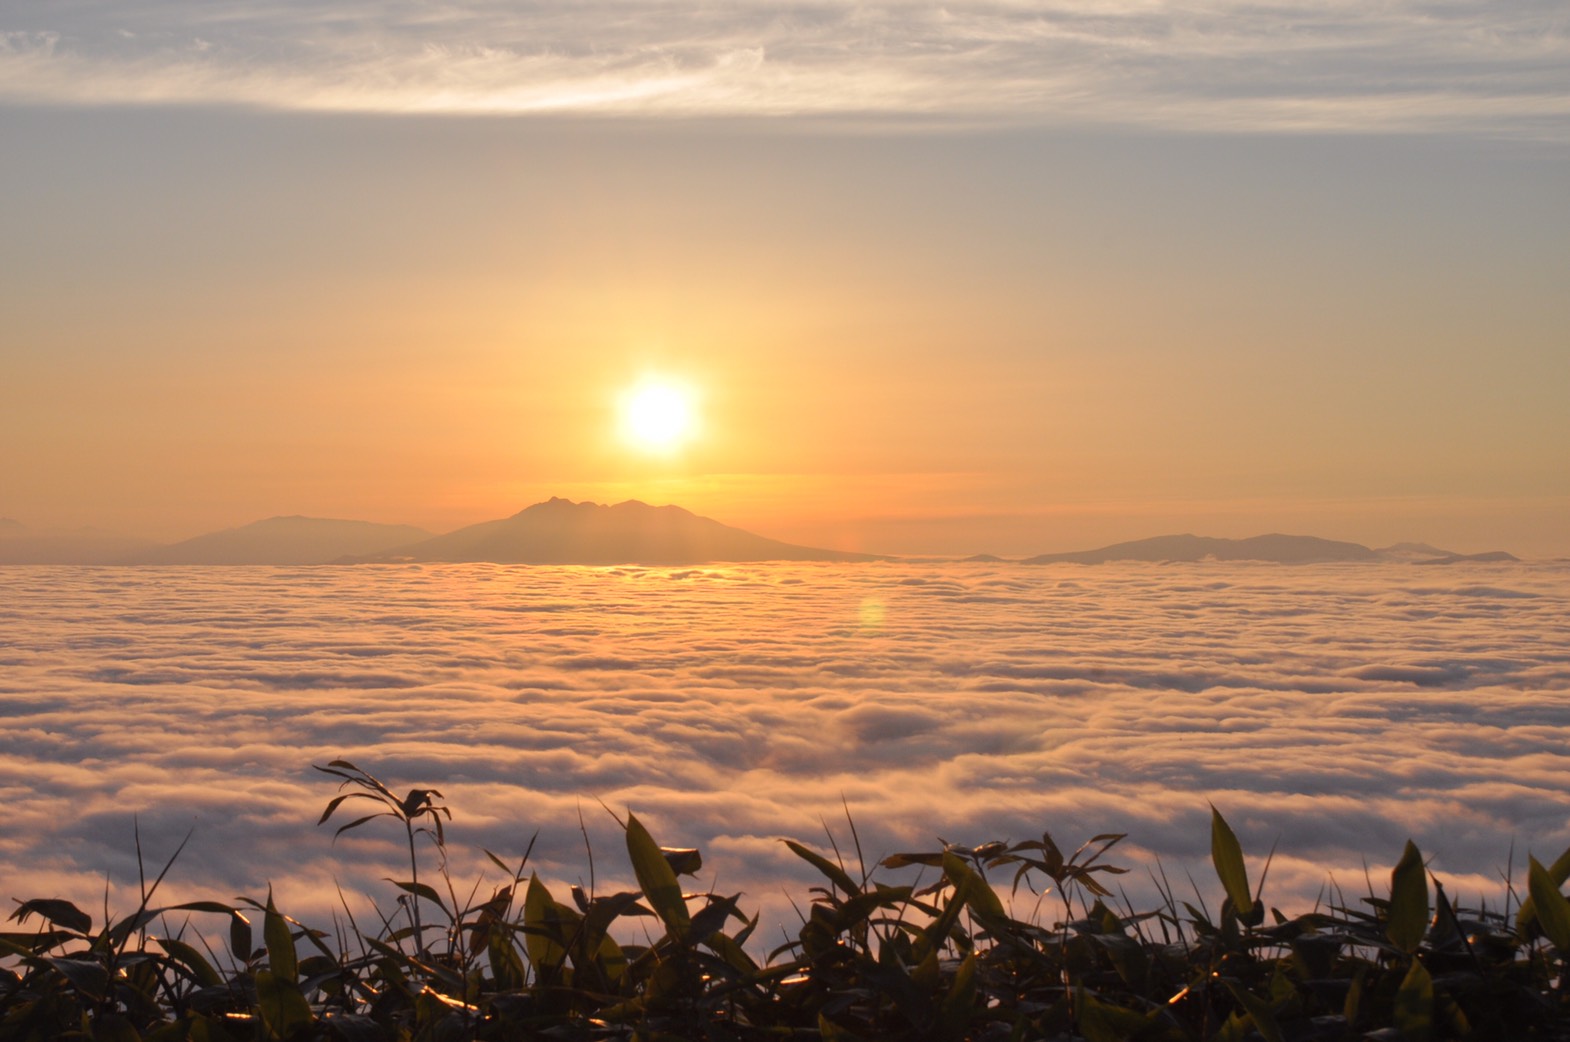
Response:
column 20, row 544
column 1275, row 547
column 559, row 531
column 283, row 541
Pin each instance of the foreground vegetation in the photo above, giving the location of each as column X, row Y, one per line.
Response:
column 873, row 959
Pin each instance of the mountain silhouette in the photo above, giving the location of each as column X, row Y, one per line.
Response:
column 1282, row 549
column 22, row 545
column 282, row 541
column 1495, row 556
column 560, row 531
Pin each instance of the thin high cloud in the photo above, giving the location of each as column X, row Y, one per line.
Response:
column 1466, row 66
column 1339, row 709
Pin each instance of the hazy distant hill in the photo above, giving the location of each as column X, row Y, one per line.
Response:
column 20, row 544
column 1281, row 549
column 1285, row 549
column 283, row 540
column 560, row 531
column 1492, row 555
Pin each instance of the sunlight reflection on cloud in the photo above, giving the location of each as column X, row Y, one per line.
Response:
column 1222, row 66
column 1337, row 708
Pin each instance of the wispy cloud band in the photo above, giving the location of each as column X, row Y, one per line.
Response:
column 1466, row 66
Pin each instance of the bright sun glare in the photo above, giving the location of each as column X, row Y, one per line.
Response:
column 658, row 416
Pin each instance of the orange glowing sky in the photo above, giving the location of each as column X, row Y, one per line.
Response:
column 923, row 310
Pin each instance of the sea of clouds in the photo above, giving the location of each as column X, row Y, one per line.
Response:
column 1332, row 710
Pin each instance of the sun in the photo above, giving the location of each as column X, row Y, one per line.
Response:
column 659, row 416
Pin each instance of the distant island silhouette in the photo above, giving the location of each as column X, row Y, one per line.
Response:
column 560, row 531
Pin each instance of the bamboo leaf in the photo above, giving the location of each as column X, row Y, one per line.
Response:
column 1413, row 1014
column 87, row 976
column 968, row 881
column 656, row 878
column 1227, row 855
column 183, row 954
column 361, row 821
column 241, row 944
column 61, row 913
column 422, row 890
column 1408, row 900
column 280, row 945
column 1552, row 909
column 835, row 874
column 542, row 935
column 338, row 801
column 1558, row 872
column 1258, row 1011
column 284, row 1010
column 957, row 1007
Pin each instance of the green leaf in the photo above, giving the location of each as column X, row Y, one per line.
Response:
column 184, row 955
column 542, row 935
column 1227, row 855
column 1558, row 872
column 976, row 891
column 612, row 960
column 88, row 976
column 280, row 945
column 656, row 878
column 1408, row 900
column 1258, row 1011
column 1413, row 1014
column 61, row 913
column 1552, row 910
column 684, row 861
column 1104, row 1022
column 422, row 890
column 284, row 1010
column 241, row 945
column 835, row 874
column 336, row 801
column 114, row 1028
column 954, row 1013
column 361, row 821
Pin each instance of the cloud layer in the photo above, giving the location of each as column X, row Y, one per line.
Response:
column 1337, row 709
column 1407, row 66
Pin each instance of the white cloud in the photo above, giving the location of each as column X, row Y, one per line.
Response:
column 1339, row 709
column 1461, row 66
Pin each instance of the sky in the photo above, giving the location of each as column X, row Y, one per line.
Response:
column 998, row 277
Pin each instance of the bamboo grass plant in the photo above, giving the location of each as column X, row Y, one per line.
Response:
column 877, row 956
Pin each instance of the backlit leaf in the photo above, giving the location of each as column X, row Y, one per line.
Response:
column 1408, row 900
column 656, row 878
column 1227, row 855
column 1552, row 909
